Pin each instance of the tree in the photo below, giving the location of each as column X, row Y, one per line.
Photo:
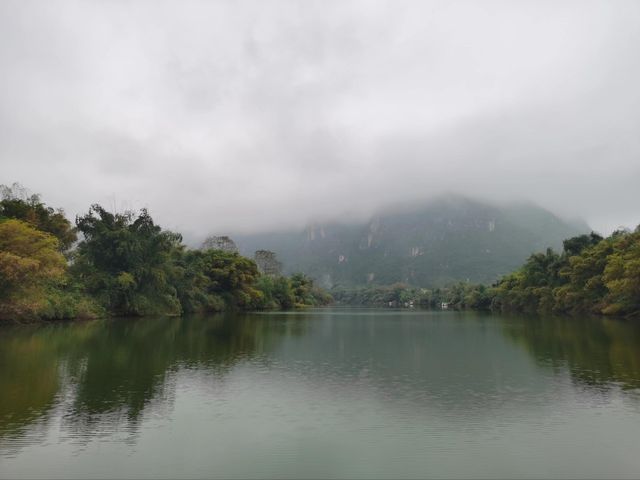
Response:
column 16, row 203
column 301, row 286
column 267, row 262
column 305, row 292
column 593, row 275
column 126, row 262
column 29, row 263
column 223, row 243
column 622, row 276
column 275, row 292
column 231, row 276
column 192, row 284
column 575, row 245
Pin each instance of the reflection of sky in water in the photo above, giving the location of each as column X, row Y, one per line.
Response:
column 321, row 393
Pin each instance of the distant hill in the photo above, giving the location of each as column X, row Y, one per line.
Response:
column 448, row 239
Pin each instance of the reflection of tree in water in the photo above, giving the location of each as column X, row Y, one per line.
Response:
column 598, row 352
column 29, row 380
column 102, row 376
column 104, row 373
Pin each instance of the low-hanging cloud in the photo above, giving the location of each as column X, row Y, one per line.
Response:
column 245, row 116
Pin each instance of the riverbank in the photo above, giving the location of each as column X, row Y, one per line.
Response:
column 126, row 265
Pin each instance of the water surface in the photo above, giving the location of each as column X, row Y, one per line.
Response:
column 322, row 393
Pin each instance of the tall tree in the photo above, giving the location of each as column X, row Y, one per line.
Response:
column 125, row 260
column 17, row 203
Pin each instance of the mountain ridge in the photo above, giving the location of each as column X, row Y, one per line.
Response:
column 449, row 238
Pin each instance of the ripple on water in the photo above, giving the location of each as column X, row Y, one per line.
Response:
column 323, row 393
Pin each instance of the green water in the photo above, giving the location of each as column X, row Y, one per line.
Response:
column 324, row 393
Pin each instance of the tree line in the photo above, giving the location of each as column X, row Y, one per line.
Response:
column 592, row 275
column 123, row 264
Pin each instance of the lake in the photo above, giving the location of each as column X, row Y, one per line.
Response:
column 347, row 393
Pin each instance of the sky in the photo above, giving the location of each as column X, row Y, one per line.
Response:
column 235, row 116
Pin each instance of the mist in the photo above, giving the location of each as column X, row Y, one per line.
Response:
column 249, row 116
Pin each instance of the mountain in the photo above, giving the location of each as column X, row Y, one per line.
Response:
column 448, row 239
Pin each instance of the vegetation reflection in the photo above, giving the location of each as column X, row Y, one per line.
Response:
column 118, row 367
column 598, row 352
column 104, row 374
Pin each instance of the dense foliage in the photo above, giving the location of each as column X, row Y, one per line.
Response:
column 16, row 203
column 33, row 277
column 29, row 263
column 395, row 295
column 210, row 280
column 296, row 291
column 592, row 275
column 124, row 264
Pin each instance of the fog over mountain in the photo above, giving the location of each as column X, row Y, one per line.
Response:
column 250, row 116
column 440, row 242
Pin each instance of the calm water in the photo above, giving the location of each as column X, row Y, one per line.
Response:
column 326, row 393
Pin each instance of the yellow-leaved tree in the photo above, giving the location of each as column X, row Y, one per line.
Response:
column 30, row 262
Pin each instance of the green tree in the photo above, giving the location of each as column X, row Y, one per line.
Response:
column 622, row 276
column 192, row 284
column 306, row 293
column 575, row 245
column 126, row 262
column 232, row 277
column 16, row 203
column 276, row 292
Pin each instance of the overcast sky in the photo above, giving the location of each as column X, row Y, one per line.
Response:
column 241, row 116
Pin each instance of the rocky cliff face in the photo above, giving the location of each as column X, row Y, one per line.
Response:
column 446, row 240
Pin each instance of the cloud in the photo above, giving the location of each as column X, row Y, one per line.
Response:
column 240, row 116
